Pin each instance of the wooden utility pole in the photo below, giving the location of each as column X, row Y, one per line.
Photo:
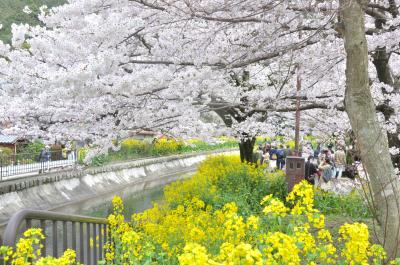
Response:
column 297, row 126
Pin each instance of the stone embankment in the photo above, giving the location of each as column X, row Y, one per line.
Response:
column 53, row 190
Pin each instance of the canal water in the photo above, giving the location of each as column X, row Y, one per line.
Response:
column 136, row 198
column 133, row 203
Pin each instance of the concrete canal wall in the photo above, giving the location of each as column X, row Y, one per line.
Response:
column 44, row 192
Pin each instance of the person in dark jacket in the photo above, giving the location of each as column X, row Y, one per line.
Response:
column 273, row 156
column 44, row 159
column 310, row 170
column 272, row 153
column 280, row 160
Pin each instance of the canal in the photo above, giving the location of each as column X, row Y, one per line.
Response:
column 136, row 197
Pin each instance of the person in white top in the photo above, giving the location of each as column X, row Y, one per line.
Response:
column 340, row 161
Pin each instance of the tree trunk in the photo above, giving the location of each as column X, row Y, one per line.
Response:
column 371, row 140
column 246, row 147
column 381, row 63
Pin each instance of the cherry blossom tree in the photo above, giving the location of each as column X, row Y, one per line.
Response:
column 150, row 53
column 100, row 68
column 133, row 59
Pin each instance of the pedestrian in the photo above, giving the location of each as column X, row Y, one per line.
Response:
column 259, row 154
column 280, row 157
column 330, row 153
column 340, row 161
column 273, row 156
column 267, row 148
column 326, row 172
column 44, row 159
column 310, row 170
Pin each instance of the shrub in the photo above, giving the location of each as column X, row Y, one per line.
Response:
column 100, row 160
column 247, row 187
column 32, row 148
column 197, row 233
column 81, row 155
column 133, row 146
column 166, row 146
column 6, row 152
column 222, row 179
column 6, row 157
column 352, row 204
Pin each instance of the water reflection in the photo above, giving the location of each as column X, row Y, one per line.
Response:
column 133, row 203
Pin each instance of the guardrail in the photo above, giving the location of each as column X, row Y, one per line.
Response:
column 86, row 235
column 22, row 164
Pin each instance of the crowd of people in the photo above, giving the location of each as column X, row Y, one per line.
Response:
column 273, row 154
column 324, row 164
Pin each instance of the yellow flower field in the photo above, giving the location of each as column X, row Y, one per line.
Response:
column 197, row 224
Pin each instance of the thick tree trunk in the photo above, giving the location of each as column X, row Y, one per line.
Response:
column 371, row 140
column 246, row 147
column 381, row 63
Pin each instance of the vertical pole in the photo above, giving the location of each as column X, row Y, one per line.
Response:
column 65, row 236
column 89, row 252
column 297, row 127
column 74, row 236
column 95, row 258
column 100, row 242
column 81, row 247
column 1, row 167
column 43, row 227
column 55, row 241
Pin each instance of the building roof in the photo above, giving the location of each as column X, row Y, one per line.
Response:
column 144, row 132
column 8, row 139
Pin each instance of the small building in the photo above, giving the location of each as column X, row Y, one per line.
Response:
column 145, row 135
column 10, row 141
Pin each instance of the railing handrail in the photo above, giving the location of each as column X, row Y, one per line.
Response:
column 34, row 154
column 10, row 233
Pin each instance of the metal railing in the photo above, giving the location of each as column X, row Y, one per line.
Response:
column 24, row 164
column 86, row 235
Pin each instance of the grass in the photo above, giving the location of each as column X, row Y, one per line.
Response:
column 334, row 222
column 351, row 205
column 11, row 12
column 341, row 209
column 133, row 152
